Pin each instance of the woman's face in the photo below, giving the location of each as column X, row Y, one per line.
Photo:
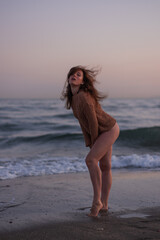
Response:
column 76, row 78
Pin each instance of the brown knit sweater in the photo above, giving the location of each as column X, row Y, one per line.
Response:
column 93, row 120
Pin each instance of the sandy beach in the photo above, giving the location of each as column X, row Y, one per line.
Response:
column 55, row 207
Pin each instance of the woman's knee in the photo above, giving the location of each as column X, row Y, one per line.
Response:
column 105, row 167
column 90, row 161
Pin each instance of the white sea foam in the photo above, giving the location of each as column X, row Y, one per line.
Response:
column 136, row 161
column 44, row 165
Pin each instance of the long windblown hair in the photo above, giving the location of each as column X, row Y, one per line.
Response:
column 89, row 79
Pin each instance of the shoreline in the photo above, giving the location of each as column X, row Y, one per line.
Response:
column 110, row 227
column 42, row 203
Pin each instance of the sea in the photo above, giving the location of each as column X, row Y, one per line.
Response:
column 41, row 137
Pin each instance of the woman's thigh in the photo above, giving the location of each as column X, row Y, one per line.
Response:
column 103, row 143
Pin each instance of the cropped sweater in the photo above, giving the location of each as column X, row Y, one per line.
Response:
column 92, row 119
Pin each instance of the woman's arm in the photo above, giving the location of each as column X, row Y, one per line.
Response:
column 90, row 115
column 86, row 136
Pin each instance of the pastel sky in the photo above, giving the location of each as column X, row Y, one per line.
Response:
column 40, row 40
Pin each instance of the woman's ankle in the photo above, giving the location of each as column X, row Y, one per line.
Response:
column 105, row 205
column 96, row 207
column 97, row 202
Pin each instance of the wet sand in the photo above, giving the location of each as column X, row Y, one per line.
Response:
column 55, row 207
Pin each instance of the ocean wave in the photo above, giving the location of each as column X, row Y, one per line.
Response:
column 40, row 139
column 144, row 137
column 136, row 161
column 64, row 116
column 8, row 127
column 46, row 165
column 20, row 126
column 134, row 138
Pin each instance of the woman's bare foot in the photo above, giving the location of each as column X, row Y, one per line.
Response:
column 103, row 211
column 105, row 207
column 96, row 207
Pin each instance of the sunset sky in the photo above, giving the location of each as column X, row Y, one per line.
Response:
column 40, row 40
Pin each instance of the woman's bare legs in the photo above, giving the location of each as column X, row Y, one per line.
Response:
column 98, row 150
column 105, row 166
column 96, row 179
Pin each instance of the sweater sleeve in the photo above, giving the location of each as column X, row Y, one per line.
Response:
column 86, row 136
column 90, row 115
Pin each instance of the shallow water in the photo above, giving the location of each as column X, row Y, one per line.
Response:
column 134, row 215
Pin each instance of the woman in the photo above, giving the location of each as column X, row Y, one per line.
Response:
column 100, row 131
